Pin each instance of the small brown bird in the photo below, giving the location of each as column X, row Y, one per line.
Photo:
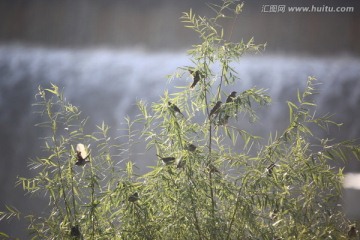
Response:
column 81, row 155
column 352, row 232
column 167, row 160
column 196, row 76
column 190, row 147
column 174, row 108
column 216, row 108
column 75, row 232
column 231, row 97
column 133, row 197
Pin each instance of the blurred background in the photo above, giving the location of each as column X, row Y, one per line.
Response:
column 107, row 54
column 155, row 24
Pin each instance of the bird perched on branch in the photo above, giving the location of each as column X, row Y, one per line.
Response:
column 75, row 232
column 175, row 108
column 190, row 147
column 197, row 75
column 216, row 108
column 352, row 232
column 231, row 97
column 167, row 160
column 133, row 197
column 81, row 155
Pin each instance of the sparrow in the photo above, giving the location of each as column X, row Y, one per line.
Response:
column 196, row 76
column 81, row 155
column 167, row 160
column 75, row 232
column 231, row 97
column 133, row 197
column 190, row 147
column 216, row 108
column 352, row 232
column 174, row 108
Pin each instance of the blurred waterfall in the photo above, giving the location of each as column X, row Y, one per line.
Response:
column 105, row 84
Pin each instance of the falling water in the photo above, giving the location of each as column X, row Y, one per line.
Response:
column 105, row 84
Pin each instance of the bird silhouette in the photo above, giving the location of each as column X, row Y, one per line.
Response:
column 75, row 232
column 352, row 232
column 231, row 97
column 175, row 108
column 167, row 160
column 133, row 197
column 216, row 108
column 196, row 76
column 190, row 147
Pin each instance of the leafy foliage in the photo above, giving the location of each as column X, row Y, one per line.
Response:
column 203, row 185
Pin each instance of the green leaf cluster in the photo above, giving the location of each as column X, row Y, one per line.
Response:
column 208, row 178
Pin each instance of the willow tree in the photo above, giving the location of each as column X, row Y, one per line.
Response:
column 209, row 178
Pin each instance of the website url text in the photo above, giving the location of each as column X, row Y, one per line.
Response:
column 312, row 9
